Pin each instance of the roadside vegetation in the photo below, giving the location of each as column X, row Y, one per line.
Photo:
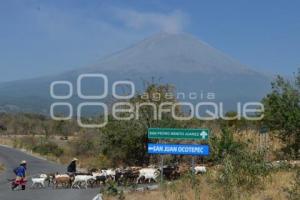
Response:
column 1, row 168
column 239, row 167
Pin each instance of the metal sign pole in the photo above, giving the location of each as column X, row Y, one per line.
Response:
column 263, row 137
column 161, row 167
column 162, row 170
column 266, row 146
column 193, row 164
column 193, row 170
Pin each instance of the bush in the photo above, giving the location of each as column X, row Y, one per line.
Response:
column 243, row 171
column 113, row 190
column 49, row 148
column 26, row 142
column 187, row 187
column 86, row 143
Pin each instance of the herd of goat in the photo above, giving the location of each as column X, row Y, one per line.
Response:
column 94, row 178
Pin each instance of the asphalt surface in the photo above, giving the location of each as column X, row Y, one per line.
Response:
column 11, row 159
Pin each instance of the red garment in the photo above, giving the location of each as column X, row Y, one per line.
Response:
column 20, row 181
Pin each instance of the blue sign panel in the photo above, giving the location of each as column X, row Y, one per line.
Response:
column 179, row 149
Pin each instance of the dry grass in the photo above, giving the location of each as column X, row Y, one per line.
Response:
column 182, row 190
column 6, row 140
column 11, row 142
column 274, row 187
column 254, row 139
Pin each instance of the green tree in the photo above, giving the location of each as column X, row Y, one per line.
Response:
column 126, row 141
column 223, row 145
column 282, row 112
column 242, row 170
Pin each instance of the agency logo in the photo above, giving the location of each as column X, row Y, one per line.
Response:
column 123, row 109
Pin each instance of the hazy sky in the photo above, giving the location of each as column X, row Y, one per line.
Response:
column 47, row 37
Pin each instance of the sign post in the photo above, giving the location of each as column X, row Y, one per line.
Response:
column 178, row 149
column 194, row 175
column 161, row 167
column 263, row 137
column 175, row 133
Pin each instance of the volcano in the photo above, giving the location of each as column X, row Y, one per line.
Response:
column 182, row 60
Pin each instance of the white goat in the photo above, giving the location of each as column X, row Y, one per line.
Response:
column 200, row 169
column 82, row 179
column 39, row 181
column 148, row 173
column 109, row 173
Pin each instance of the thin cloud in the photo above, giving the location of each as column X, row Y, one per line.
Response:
column 172, row 22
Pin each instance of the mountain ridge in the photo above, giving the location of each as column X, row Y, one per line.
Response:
column 179, row 59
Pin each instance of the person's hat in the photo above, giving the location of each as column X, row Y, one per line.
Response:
column 23, row 162
column 74, row 159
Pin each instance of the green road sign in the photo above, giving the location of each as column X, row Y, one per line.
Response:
column 175, row 133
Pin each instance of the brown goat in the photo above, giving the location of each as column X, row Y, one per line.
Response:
column 63, row 180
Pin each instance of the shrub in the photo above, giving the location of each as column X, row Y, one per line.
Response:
column 242, row 173
column 86, row 143
column 112, row 189
column 48, row 148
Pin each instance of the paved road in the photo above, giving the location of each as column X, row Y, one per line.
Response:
column 11, row 157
